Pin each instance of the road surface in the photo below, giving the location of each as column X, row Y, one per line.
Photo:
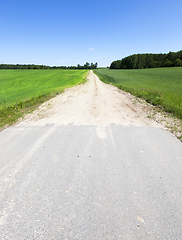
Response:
column 96, row 177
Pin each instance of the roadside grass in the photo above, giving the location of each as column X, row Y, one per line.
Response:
column 159, row 86
column 21, row 91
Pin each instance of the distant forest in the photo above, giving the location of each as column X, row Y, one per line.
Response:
column 149, row 60
column 33, row 66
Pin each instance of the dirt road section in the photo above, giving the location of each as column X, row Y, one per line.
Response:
column 93, row 103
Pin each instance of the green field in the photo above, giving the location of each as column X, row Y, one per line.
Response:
column 22, row 90
column 159, row 86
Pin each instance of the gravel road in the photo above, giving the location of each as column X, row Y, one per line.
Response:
column 93, row 103
column 89, row 164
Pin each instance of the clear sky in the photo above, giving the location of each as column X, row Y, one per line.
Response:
column 71, row 32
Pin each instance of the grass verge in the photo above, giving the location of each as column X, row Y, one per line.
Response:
column 161, row 87
column 21, row 91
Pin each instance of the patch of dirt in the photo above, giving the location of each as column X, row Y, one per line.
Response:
column 97, row 103
column 166, row 120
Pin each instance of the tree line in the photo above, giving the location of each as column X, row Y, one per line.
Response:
column 149, row 60
column 33, row 66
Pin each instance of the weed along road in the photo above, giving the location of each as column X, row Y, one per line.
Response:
column 89, row 164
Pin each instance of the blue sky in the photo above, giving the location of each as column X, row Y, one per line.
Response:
column 56, row 32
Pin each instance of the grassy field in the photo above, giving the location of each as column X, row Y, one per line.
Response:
column 159, row 86
column 22, row 90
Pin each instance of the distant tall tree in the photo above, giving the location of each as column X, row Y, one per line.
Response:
column 87, row 65
column 168, row 63
column 92, row 66
column 178, row 62
column 96, row 64
column 134, row 61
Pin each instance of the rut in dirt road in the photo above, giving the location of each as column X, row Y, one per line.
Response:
column 92, row 103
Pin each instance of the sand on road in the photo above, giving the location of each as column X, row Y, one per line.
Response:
column 91, row 103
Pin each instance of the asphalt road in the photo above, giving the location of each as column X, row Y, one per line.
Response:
column 90, row 182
